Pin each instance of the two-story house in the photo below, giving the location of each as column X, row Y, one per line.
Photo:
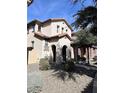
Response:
column 49, row 39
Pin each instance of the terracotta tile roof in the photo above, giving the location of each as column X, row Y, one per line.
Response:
column 41, row 35
column 32, row 23
column 58, row 19
column 61, row 35
column 47, row 21
column 51, row 37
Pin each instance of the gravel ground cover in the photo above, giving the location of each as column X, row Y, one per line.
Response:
column 52, row 81
column 34, row 82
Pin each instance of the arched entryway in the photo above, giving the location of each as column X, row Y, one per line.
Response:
column 54, row 53
column 64, row 52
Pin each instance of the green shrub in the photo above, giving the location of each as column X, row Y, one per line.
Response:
column 44, row 64
column 95, row 58
column 83, row 59
column 69, row 65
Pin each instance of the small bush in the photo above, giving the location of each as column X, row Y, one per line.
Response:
column 95, row 58
column 44, row 64
column 78, row 57
column 69, row 65
column 83, row 59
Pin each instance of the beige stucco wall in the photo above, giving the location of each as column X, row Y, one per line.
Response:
column 30, row 37
column 59, row 43
column 46, row 29
column 50, row 29
column 61, row 24
column 32, row 56
column 39, row 45
column 44, row 53
column 65, row 41
column 36, row 53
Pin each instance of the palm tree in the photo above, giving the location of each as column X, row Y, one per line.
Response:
column 29, row 2
column 86, row 18
column 82, row 1
column 86, row 22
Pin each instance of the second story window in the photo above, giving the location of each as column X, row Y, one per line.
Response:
column 27, row 31
column 46, row 47
column 66, row 30
column 46, row 43
column 62, row 29
column 57, row 28
column 39, row 28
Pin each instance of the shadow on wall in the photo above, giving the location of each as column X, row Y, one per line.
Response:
column 60, row 54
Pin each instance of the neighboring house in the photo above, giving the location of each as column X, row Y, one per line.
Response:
column 49, row 39
column 81, row 51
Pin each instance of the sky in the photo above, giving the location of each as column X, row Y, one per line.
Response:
column 45, row 9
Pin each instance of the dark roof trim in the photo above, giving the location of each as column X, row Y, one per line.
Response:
column 32, row 23
column 58, row 19
column 62, row 35
column 40, row 35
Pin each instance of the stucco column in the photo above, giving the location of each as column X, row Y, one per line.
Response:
column 82, row 52
column 95, row 54
column 86, row 53
column 69, row 52
column 58, row 54
column 72, row 52
column 90, row 54
column 79, row 52
column 76, row 53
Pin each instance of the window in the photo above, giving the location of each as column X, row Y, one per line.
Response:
column 46, row 47
column 46, row 43
column 57, row 28
column 66, row 30
column 62, row 29
column 39, row 28
column 27, row 31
